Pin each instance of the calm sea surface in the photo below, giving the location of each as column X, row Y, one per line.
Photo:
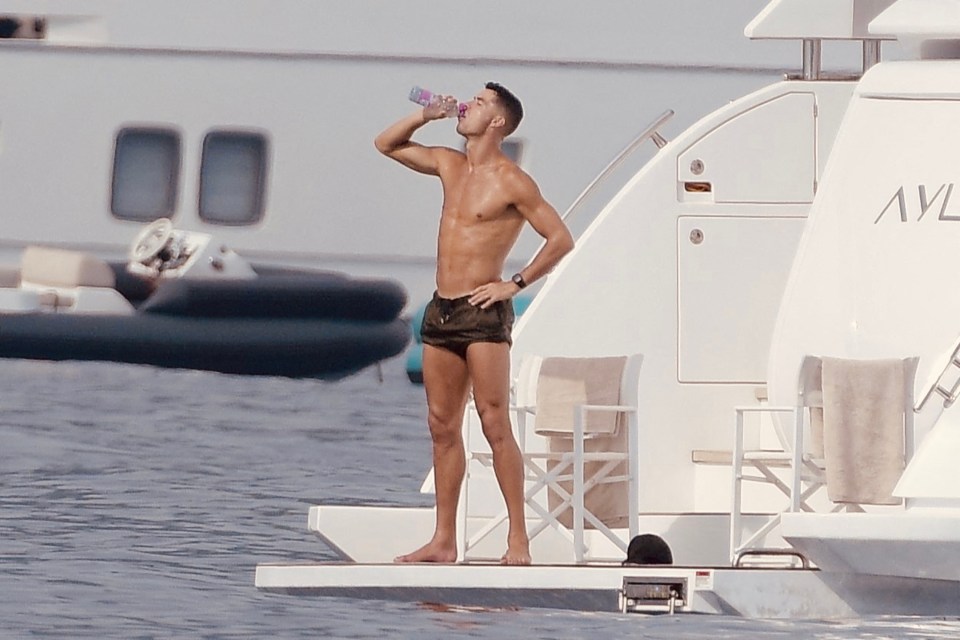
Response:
column 136, row 502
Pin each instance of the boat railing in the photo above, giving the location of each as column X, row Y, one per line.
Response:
column 651, row 132
column 946, row 382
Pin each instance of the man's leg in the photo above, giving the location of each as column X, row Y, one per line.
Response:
column 446, row 383
column 489, row 367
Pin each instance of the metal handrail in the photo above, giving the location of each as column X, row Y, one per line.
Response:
column 948, row 391
column 650, row 132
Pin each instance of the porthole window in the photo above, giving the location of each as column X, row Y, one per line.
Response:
column 233, row 177
column 146, row 172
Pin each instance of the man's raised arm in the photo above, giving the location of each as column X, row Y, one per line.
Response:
column 394, row 141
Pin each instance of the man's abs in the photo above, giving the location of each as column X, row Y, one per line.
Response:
column 473, row 254
column 458, row 277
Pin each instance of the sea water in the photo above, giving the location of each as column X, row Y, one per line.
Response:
column 136, row 502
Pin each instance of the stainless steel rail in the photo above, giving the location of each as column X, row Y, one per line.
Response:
column 650, row 132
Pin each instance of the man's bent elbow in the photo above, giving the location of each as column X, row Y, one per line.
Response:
column 382, row 145
column 567, row 243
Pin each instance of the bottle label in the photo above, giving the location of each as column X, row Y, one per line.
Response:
column 424, row 97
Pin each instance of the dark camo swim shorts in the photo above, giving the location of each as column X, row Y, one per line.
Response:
column 456, row 324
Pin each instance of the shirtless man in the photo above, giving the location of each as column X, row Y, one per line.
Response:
column 466, row 329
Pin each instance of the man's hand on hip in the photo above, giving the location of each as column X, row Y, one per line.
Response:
column 492, row 292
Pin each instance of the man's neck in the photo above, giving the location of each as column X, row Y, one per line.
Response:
column 483, row 150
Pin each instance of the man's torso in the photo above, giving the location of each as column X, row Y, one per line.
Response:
column 478, row 226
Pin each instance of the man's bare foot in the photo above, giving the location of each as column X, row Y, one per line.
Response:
column 517, row 558
column 518, row 552
column 431, row 552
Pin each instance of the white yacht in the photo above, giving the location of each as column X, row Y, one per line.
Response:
column 784, row 262
column 253, row 121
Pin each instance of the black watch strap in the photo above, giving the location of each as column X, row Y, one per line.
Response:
column 518, row 280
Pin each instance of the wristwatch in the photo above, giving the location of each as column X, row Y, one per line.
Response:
column 518, row 280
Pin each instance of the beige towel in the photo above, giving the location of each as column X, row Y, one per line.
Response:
column 563, row 384
column 863, row 405
column 606, row 501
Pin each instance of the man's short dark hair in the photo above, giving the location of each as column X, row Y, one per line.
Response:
column 511, row 103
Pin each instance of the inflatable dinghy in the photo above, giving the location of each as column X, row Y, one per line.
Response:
column 182, row 302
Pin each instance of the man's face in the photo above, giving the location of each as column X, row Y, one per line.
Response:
column 481, row 111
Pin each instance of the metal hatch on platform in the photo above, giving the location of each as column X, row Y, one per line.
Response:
column 652, row 594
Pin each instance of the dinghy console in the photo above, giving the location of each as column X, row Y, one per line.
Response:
column 161, row 251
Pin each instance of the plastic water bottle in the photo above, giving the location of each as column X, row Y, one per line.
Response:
column 424, row 98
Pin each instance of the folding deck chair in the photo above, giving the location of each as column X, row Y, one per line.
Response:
column 803, row 459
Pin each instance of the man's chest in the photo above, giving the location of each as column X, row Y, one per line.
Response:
column 479, row 200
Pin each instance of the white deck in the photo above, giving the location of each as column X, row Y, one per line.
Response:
column 773, row 593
